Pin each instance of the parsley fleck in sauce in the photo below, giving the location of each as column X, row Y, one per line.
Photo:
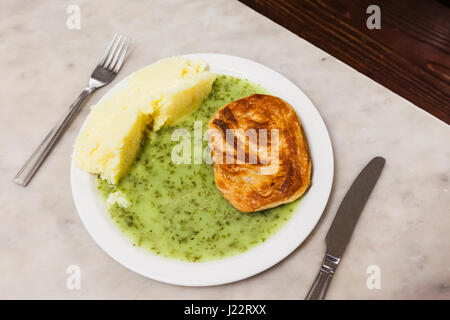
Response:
column 175, row 210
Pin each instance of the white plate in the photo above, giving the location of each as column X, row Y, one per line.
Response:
column 104, row 231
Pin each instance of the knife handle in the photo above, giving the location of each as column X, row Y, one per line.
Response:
column 320, row 286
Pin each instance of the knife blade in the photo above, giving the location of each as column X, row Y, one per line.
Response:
column 344, row 223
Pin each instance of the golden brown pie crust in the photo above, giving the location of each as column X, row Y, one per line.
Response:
column 243, row 185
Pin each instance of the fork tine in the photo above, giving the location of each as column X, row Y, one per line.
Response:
column 122, row 56
column 102, row 61
column 112, row 53
column 117, row 54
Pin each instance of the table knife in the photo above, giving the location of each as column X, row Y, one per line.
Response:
column 344, row 223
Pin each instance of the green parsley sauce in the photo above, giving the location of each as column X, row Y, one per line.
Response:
column 175, row 210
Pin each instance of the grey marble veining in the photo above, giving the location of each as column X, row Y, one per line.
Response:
column 404, row 229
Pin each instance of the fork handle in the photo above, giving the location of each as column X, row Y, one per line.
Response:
column 38, row 156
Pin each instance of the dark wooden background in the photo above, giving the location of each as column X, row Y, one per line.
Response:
column 409, row 54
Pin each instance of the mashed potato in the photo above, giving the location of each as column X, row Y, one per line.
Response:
column 159, row 94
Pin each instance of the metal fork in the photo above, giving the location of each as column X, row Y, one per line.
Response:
column 104, row 73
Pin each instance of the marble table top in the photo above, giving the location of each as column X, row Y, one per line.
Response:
column 404, row 230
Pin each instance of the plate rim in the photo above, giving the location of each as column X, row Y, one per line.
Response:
column 204, row 276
